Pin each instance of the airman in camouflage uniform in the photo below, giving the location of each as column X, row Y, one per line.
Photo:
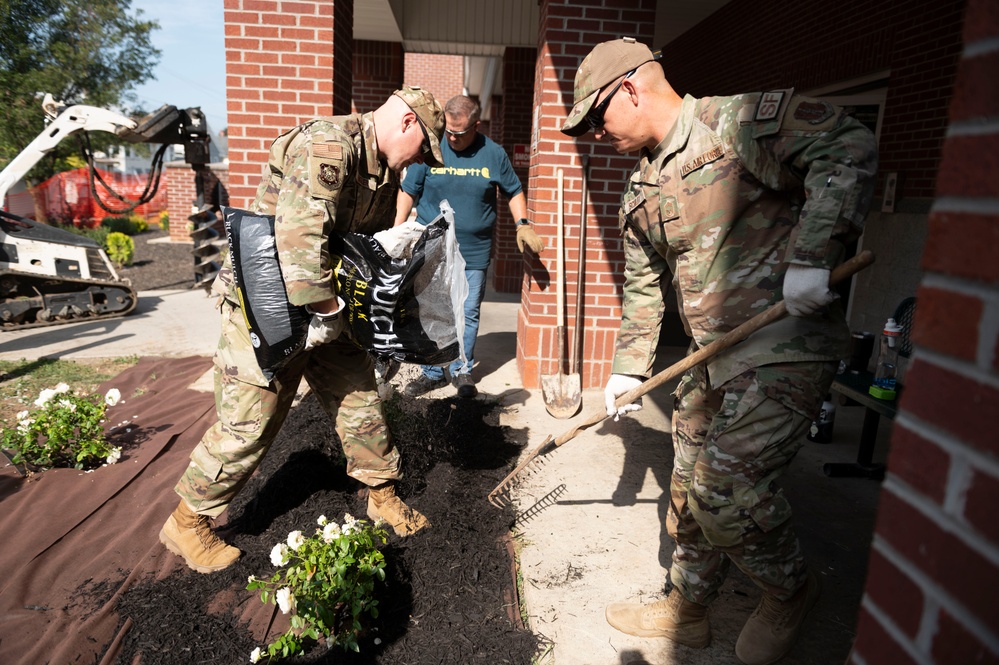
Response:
column 327, row 176
column 745, row 200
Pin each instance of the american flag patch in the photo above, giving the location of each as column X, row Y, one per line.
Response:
column 331, row 150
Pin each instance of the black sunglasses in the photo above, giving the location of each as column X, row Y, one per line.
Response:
column 426, row 147
column 595, row 118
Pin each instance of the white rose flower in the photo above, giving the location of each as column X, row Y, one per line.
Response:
column 255, row 655
column 114, row 455
column 21, row 415
column 61, row 388
column 113, row 397
column 295, row 540
column 285, row 600
column 44, row 397
column 331, row 531
column 66, row 404
column 322, row 518
column 279, row 554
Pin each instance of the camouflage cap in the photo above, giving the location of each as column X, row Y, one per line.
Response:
column 606, row 62
column 431, row 116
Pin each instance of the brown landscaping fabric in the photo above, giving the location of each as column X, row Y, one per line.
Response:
column 71, row 542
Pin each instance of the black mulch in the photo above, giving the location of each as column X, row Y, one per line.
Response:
column 450, row 596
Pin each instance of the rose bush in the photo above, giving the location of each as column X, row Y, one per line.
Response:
column 326, row 583
column 64, row 430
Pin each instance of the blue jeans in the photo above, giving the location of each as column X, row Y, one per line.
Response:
column 473, row 303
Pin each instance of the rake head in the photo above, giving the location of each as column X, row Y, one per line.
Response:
column 500, row 496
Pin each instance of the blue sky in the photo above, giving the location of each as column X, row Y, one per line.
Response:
column 191, row 71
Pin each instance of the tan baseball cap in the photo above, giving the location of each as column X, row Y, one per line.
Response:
column 606, row 62
column 430, row 113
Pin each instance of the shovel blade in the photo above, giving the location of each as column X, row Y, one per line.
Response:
column 562, row 395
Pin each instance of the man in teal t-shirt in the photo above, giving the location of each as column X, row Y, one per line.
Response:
column 474, row 167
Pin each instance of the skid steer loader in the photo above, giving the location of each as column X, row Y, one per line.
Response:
column 50, row 276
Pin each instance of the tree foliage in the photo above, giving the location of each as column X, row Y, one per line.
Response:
column 81, row 51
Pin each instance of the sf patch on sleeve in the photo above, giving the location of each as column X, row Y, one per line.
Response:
column 327, row 169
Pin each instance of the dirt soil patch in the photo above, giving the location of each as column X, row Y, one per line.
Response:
column 450, row 595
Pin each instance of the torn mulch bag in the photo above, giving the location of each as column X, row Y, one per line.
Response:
column 397, row 309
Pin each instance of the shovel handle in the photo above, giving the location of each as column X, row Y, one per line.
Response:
column 842, row 272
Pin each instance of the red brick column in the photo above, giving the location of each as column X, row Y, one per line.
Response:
column 512, row 126
column 567, row 32
column 934, row 568
column 280, row 63
column 182, row 194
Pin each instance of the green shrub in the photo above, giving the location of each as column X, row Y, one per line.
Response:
column 126, row 225
column 120, row 248
column 164, row 220
column 141, row 225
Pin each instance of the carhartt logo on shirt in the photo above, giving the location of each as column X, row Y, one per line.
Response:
column 450, row 170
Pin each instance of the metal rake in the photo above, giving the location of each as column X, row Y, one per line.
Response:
column 499, row 497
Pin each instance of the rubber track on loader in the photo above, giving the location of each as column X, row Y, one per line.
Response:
column 108, row 299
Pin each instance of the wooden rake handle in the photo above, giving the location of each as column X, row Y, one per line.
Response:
column 729, row 339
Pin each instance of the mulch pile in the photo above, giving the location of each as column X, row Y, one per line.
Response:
column 87, row 581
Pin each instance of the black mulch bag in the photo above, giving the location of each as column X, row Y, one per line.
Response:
column 398, row 309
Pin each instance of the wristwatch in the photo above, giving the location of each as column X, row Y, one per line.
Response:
column 523, row 222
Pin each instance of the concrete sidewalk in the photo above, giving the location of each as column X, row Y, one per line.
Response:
column 591, row 530
column 175, row 324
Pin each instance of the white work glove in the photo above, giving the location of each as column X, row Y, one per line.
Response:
column 324, row 328
column 398, row 241
column 617, row 385
column 806, row 290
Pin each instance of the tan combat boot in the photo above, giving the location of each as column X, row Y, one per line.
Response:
column 773, row 627
column 673, row 617
column 189, row 535
column 383, row 503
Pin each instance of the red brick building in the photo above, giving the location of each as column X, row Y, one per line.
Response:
column 921, row 73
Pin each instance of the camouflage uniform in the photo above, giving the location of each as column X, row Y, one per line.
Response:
column 322, row 177
column 740, row 188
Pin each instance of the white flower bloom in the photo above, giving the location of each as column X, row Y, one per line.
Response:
column 21, row 415
column 285, row 600
column 251, row 579
column 114, row 455
column 331, row 531
column 66, row 404
column 61, row 388
column 279, row 554
column 44, row 396
column 113, row 397
column 295, row 540
column 255, row 655
column 322, row 518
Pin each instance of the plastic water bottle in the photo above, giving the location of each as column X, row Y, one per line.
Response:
column 884, row 376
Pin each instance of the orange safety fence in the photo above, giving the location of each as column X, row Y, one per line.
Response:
column 68, row 197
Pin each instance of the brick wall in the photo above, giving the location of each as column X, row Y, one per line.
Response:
column 568, row 30
column 918, row 41
column 934, row 567
column 378, row 72
column 442, row 75
column 512, row 126
column 279, row 65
